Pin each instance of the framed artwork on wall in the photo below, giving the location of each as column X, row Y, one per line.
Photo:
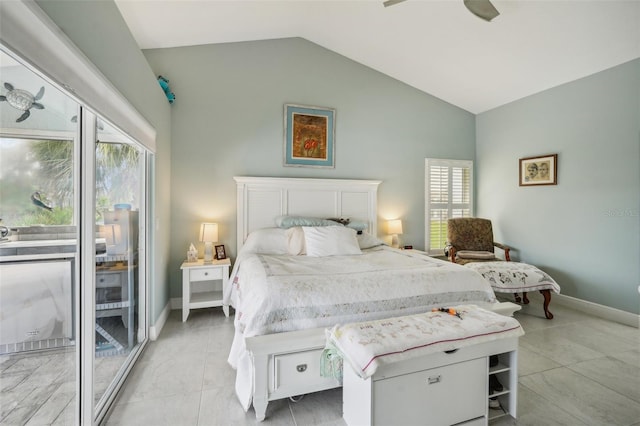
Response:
column 541, row 170
column 309, row 136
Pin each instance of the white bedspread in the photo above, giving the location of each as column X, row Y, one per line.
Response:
column 514, row 277
column 279, row 293
column 285, row 293
column 368, row 345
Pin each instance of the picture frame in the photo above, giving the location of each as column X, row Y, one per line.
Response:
column 309, row 136
column 541, row 170
column 220, row 252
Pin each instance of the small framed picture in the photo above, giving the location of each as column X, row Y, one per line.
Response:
column 220, row 253
column 539, row 170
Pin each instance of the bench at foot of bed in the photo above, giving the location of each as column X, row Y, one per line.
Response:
column 288, row 364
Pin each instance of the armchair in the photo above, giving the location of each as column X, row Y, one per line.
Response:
column 470, row 240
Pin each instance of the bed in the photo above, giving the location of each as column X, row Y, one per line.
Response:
column 286, row 294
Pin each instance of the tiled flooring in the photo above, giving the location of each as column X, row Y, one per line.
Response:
column 573, row 370
column 38, row 387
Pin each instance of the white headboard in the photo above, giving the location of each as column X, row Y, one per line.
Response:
column 262, row 199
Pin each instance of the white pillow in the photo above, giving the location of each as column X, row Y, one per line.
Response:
column 366, row 240
column 330, row 241
column 295, row 241
column 266, row 241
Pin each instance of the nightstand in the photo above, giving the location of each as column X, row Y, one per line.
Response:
column 197, row 290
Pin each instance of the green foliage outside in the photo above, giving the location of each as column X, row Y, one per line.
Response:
column 46, row 166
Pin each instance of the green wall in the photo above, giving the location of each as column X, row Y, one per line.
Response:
column 99, row 30
column 228, row 121
column 585, row 231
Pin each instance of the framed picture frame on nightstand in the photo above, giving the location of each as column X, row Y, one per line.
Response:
column 220, row 253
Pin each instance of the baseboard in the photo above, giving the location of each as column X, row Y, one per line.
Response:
column 591, row 308
column 155, row 329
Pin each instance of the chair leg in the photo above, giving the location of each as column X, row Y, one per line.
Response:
column 521, row 300
column 547, row 300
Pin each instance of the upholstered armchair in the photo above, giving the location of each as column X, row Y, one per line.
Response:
column 470, row 239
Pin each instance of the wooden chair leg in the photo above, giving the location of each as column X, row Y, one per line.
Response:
column 547, row 300
column 521, row 300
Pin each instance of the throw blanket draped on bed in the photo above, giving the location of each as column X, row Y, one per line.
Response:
column 514, row 277
column 368, row 345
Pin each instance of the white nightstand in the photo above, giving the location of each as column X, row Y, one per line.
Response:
column 196, row 272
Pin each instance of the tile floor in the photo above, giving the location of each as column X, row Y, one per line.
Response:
column 38, row 387
column 573, row 370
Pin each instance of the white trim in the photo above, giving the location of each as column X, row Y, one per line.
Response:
column 156, row 328
column 29, row 32
column 591, row 308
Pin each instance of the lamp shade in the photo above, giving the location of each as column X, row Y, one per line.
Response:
column 209, row 232
column 112, row 234
column 394, row 227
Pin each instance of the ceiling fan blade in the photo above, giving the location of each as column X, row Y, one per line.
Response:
column 391, row 2
column 482, row 9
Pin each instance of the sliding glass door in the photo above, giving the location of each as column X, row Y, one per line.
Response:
column 120, row 235
column 73, row 245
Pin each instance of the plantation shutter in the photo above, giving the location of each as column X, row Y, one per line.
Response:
column 448, row 194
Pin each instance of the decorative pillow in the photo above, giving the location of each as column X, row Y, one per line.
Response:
column 340, row 220
column 358, row 226
column 330, row 241
column 289, row 221
column 366, row 240
column 295, row 241
column 266, row 241
column 480, row 255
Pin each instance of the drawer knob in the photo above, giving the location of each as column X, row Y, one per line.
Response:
column 206, row 273
column 301, row 368
column 434, row 379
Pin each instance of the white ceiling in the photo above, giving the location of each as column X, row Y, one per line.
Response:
column 436, row 46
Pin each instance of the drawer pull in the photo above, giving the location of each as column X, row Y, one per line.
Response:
column 301, row 368
column 434, row 379
column 452, row 351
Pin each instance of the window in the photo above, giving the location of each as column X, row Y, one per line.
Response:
column 448, row 194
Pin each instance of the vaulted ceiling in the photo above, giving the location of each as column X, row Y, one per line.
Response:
column 436, row 46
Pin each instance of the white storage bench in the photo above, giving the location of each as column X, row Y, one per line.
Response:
column 420, row 386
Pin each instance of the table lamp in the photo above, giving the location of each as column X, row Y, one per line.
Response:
column 113, row 237
column 208, row 235
column 394, row 227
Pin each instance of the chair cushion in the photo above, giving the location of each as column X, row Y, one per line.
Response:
column 470, row 233
column 475, row 254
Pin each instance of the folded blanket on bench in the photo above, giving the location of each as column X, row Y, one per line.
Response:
column 367, row 345
column 514, row 277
